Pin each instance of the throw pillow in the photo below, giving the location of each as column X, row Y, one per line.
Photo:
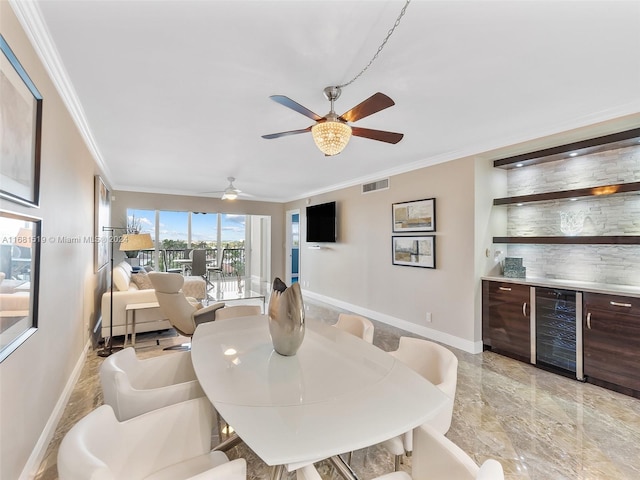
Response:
column 141, row 280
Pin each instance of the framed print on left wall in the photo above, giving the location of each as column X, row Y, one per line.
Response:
column 20, row 131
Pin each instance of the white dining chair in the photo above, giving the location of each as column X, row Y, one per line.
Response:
column 356, row 325
column 235, row 311
column 173, row 442
column 435, row 457
column 132, row 386
column 438, row 365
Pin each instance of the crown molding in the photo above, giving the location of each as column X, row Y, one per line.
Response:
column 30, row 17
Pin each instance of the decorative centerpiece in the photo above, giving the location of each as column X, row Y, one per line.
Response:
column 286, row 318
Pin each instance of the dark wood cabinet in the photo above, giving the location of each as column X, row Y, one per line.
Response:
column 506, row 319
column 611, row 336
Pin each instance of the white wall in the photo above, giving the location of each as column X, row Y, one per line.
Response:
column 357, row 273
column 33, row 378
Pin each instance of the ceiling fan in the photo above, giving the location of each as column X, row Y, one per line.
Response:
column 231, row 192
column 331, row 133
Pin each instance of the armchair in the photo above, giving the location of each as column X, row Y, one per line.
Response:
column 172, row 442
column 356, row 325
column 132, row 386
column 183, row 315
column 438, row 365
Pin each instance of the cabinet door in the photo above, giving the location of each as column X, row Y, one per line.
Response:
column 611, row 335
column 506, row 326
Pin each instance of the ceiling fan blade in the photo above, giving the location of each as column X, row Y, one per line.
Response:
column 375, row 103
column 381, row 136
column 287, row 102
column 284, row 134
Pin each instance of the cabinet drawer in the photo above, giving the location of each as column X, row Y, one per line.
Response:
column 612, row 303
column 508, row 291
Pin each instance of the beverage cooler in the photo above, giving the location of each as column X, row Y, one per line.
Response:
column 557, row 343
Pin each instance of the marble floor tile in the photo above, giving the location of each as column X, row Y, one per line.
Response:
column 539, row 425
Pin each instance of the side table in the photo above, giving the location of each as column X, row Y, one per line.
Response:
column 133, row 308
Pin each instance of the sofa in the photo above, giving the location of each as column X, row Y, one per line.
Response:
column 131, row 288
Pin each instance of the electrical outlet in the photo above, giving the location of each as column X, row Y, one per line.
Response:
column 427, row 317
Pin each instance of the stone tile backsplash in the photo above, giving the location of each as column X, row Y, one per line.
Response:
column 591, row 216
column 610, row 167
column 612, row 264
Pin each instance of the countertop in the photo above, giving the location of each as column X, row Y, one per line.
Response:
column 594, row 287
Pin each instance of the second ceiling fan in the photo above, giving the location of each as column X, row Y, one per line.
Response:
column 332, row 132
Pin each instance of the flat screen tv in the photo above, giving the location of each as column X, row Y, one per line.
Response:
column 321, row 222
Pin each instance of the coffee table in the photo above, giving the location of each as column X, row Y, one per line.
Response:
column 233, row 295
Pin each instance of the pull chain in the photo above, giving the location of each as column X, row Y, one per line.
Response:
column 384, row 42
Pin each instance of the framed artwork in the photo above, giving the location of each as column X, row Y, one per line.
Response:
column 414, row 251
column 102, row 213
column 20, row 239
column 414, row 216
column 20, row 131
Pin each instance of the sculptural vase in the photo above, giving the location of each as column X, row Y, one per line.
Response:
column 286, row 320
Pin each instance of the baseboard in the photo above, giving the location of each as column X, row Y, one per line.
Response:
column 446, row 338
column 40, row 450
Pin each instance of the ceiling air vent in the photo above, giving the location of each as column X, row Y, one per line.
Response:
column 375, row 186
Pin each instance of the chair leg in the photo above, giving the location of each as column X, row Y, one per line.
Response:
column 397, row 462
column 182, row 347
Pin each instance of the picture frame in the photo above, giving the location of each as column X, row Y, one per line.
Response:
column 414, row 251
column 414, row 216
column 102, row 213
column 20, row 131
column 20, row 242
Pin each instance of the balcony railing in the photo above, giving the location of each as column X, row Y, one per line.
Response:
column 233, row 259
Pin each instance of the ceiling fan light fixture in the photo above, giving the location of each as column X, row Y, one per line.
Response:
column 230, row 195
column 331, row 137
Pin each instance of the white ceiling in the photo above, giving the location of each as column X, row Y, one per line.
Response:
column 175, row 94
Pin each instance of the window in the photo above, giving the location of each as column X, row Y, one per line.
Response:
column 177, row 232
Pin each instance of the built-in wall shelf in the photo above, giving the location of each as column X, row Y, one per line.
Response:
column 565, row 194
column 578, row 240
column 584, row 147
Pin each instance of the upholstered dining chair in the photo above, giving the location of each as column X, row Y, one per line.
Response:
column 356, row 325
column 235, row 311
column 437, row 364
column 435, row 457
column 132, row 386
column 173, row 442
column 183, row 315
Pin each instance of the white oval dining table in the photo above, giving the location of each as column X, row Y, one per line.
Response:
column 336, row 395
